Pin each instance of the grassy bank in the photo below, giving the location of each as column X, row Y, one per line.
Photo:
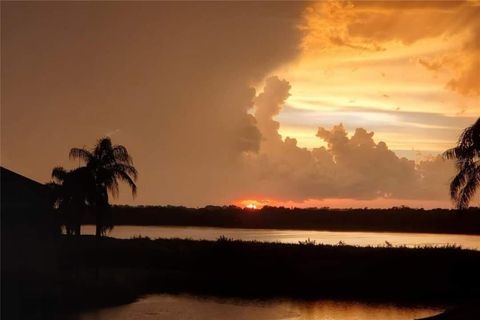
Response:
column 123, row 269
column 89, row 274
column 392, row 220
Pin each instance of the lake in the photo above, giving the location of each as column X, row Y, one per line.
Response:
column 294, row 236
column 186, row 307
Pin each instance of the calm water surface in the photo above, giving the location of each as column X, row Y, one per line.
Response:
column 294, row 236
column 184, row 307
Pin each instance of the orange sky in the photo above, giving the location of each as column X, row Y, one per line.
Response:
column 258, row 203
column 389, row 67
column 220, row 102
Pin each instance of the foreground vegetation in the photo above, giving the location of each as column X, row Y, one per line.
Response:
column 399, row 219
column 91, row 272
column 120, row 270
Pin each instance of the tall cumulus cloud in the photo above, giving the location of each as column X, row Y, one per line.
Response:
column 349, row 166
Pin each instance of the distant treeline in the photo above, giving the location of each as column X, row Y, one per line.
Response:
column 396, row 219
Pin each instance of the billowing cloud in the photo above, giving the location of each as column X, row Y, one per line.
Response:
column 268, row 105
column 349, row 166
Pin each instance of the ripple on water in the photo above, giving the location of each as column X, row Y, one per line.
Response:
column 186, row 307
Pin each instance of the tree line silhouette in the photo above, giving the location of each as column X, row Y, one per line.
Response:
column 396, row 219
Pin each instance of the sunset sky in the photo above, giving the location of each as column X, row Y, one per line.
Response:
column 328, row 103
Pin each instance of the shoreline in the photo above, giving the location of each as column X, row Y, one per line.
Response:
column 257, row 228
column 274, row 270
column 93, row 274
column 399, row 220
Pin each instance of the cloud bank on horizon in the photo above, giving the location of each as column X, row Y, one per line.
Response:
column 351, row 167
column 175, row 83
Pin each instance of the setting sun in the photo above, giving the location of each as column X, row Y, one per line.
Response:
column 251, row 204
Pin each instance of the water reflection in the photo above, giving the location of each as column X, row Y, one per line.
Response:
column 184, row 307
column 294, row 236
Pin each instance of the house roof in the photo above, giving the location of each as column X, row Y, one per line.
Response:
column 21, row 194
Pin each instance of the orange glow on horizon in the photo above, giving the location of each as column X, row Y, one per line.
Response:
column 252, row 204
column 381, row 203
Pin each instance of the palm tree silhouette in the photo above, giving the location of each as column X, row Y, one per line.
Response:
column 72, row 191
column 107, row 164
column 467, row 160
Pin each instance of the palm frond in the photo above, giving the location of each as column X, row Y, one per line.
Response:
column 113, row 187
column 120, row 154
column 128, row 180
column 128, row 169
column 466, row 155
column 81, row 153
column 458, row 182
column 468, row 191
column 59, row 174
column 468, row 145
column 450, row 154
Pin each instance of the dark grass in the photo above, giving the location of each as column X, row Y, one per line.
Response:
column 226, row 268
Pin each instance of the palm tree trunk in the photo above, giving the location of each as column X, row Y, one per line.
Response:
column 97, row 255
column 98, row 231
column 98, row 236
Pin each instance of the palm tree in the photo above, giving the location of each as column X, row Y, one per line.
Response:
column 108, row 165
column 467, row 160
column 71, row 193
